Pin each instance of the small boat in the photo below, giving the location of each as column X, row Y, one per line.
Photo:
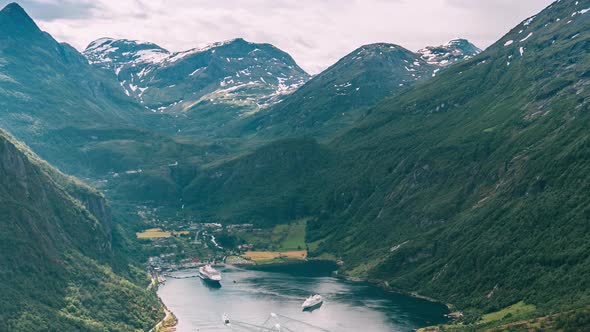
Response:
column 225, row 319
column 312, row 302
column 208, row 273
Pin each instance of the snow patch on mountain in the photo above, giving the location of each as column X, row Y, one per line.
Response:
column 527, row 37
column 114, row 53
column 449, row 53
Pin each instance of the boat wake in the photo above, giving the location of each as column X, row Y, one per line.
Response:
column 274, row 322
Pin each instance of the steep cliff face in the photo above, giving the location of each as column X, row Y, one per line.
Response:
column 52, row 206
column 55, row 249
column 88, row 197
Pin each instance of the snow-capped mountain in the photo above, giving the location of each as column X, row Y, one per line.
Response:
column 238, row 74
column 340, row 95
column 115, row 54
column 449, row 53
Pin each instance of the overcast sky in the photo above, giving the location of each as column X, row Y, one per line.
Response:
column 315, row 32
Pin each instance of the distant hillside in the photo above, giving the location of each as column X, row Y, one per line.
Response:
column 339, row 97
column 46, row 87
column 56, row 238
column 268, row 186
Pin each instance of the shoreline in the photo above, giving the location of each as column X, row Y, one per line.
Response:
column 386, row 288
column 383, row 285
column 286, row 263
column 169, row 322
column 335, row 273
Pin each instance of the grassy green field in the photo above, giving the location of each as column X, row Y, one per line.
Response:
column 522, row 317
column 281, row 243
column 280, row 238
column 290, row 236
column 519, row 314
column 518, row 310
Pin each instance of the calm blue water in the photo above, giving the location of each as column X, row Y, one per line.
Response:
column 255, row 295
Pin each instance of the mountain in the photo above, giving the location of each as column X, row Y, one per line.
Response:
column 14, row 22
column 468, row 178
column 468, row 184
column 116, row 54
column 46, row 87
column 44, row 83
column 340, row 95
column 454, row 51
column 58, row 255
column 267, row 186
column 79, row 119
column 470, row 187
column 207, row 86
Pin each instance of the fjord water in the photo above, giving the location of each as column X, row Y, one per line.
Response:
column 248, row 301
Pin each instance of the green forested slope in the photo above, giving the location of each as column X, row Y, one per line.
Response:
column 269, row 186
column 480, row 173
column 470, row 187
column 57, row 254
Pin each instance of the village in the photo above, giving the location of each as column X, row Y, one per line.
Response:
column 180, row 242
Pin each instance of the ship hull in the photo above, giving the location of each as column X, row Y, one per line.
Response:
column 211, row 284
column 313, row 306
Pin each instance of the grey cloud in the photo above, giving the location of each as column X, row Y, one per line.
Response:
column 305, row 43
column 315, row 32
column 54, row 10
column 496, row 4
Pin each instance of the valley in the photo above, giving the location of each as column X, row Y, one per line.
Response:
column 451, row 173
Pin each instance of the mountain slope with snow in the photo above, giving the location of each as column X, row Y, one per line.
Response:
column 341, row 94
column 235, row 77
column 449, row 53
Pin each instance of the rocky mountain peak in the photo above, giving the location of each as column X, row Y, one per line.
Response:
column 235, row 72
column 116, row 53
column 453, row 51
column 16, row 23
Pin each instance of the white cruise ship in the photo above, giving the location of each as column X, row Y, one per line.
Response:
column 312, row 302
column 208, row 273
